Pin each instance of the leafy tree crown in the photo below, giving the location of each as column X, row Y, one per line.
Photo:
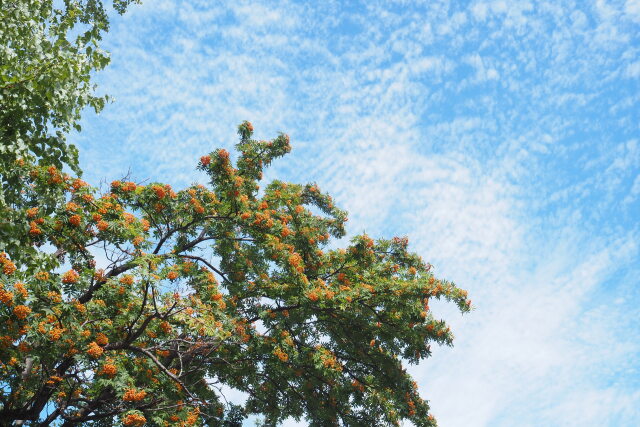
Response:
column 205, row 287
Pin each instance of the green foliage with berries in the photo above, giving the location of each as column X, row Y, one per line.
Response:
column 48, row 50
column 210, row 286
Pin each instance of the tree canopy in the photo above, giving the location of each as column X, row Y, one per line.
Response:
column 209, row 286
column 142, row 305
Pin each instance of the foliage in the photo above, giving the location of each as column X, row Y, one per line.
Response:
column 48, row 51
column 210, row 286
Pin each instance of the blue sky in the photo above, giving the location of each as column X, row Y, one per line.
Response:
column 501, row 136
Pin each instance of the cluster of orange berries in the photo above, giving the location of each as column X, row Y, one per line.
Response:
column 33, row 227
column 72, row 207
column 332, row 363
column 19, row 287
column 316, row 293
column 95, row 350
column 134, row 419
column 281, row 354
column 75, row 220
column 223, row 154
column 79, row 306
column 21, row 311
column 161, row 191
column 129, row 218
column 127, row 280
column 358, row 385
column 129, row 186
column 8, row 267
column 165, row 326
column 313, row 296
column 412, row 410
column 70, row 276
column 126, row 186
column 6, row 296
column 197, row 206
column 78, row 184
column 285, row 232
column 42, row 275
column 54, row 379
column 109, row 370
column 410, row 405
column 138, row 240
column 101, row 339
column 54, row 175
column 54, row 296
column 133, row 395
column 191, row 419
column 295, row 260
column 193, row 416
column 56, row 333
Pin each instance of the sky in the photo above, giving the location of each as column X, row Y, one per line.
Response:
column 502, row 137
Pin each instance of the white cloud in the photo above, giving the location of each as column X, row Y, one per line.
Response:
column 632, row 8
column 634, row 191
column 633, row 70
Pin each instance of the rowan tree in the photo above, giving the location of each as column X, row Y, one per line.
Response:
column 220, row 285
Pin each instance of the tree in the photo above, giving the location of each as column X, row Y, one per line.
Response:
column 48, row 51
column 210, row 286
